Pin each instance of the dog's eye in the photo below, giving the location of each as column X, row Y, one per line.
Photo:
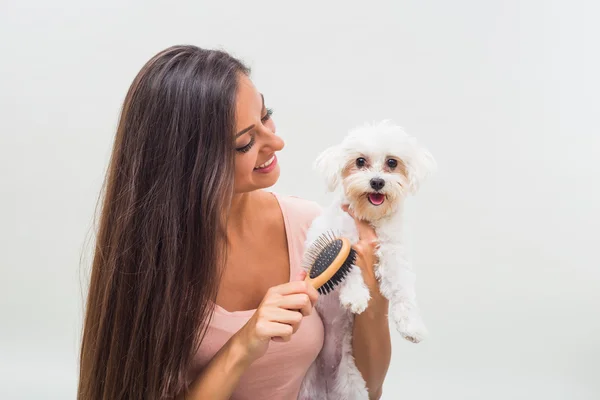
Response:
column 360, row 162
column 392, row 163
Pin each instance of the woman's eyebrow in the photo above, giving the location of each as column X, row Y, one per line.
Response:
column 240, row 133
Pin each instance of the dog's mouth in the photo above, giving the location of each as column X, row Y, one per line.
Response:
column 376, row 199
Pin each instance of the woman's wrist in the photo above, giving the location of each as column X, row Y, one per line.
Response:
column 378, row 306
column 237, row 353
column 222, row 374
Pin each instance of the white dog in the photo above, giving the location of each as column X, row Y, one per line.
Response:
column 372, row 170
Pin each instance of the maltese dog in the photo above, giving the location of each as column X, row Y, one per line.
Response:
column 371, row 171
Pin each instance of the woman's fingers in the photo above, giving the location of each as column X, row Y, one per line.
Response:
column 289, row 317
column 312, row 293
column 283, row 307
column 300, row 275
column 283, row 324
column 294, row 287
column 366, row 233
column 279, row 315
column 279, row 332
column 288, row 288
column 298, row 302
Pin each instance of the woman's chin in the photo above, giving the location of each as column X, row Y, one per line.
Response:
column 268, row 180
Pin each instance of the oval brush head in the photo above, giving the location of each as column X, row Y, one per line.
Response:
column 328, row 261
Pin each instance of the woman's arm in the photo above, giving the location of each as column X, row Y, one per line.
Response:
column 371, row 343
column 277, row 318
column 220, row 377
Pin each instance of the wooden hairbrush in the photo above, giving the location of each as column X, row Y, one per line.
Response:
column 327, row 262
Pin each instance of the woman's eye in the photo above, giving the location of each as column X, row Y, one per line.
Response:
column 392, row 163
column 360, row 162
column 247, row 147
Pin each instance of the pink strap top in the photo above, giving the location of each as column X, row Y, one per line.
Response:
column 280, row 372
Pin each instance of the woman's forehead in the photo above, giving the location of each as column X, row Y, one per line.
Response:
column 249, row 100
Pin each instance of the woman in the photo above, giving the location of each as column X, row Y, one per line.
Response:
column 196, row 290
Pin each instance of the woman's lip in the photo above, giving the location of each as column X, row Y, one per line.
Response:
column 268, row 169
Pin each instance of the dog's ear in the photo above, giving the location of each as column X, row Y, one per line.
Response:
column 420, row 167
column 329, row 165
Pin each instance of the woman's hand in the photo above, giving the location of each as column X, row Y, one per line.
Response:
column 365, row 250
column 277, row 317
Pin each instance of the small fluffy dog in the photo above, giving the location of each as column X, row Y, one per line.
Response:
column 373, row 170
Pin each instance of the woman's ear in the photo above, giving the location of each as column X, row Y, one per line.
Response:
column 329, row 165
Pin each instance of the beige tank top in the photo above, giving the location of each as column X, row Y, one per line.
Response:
column 279, row 373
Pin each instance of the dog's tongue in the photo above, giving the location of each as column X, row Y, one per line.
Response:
column 376, row 198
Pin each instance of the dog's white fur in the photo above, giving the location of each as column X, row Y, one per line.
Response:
column 376, row 144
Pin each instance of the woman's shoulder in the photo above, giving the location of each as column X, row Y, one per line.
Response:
column 298, row 209
column 299, row 214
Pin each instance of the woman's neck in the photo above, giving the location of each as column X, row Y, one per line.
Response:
column 241, row 204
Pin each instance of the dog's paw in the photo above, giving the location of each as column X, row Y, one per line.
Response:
column 354, row 294
column 356, row 300
column 410, row 324
column 414, row 334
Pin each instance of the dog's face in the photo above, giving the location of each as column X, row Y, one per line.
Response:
column 376, row 166
column 373, row 183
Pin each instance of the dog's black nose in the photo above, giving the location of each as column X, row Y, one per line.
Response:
column 377, row 183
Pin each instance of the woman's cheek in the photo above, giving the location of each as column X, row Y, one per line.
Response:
column 244, row 165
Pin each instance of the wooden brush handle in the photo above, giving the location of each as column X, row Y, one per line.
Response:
column 334, row 267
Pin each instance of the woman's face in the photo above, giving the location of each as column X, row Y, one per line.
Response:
column 256, row 164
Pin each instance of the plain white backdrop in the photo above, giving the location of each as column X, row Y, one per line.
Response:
column 505, row 237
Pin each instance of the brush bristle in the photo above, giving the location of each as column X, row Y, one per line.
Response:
column 320, row 256
column 340, row 275
column 314, row 252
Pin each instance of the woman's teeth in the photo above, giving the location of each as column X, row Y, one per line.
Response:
column 265, row 165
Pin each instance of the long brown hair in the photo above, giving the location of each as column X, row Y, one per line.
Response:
column 161, row 234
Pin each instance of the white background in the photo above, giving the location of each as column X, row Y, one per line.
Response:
column 505, row 237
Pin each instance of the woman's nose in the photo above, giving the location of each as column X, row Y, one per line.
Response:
column 273, row 141
column 276, row 143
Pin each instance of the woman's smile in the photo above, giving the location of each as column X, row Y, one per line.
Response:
column 268, row 166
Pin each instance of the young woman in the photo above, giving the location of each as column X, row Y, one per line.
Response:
column 196, row 289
